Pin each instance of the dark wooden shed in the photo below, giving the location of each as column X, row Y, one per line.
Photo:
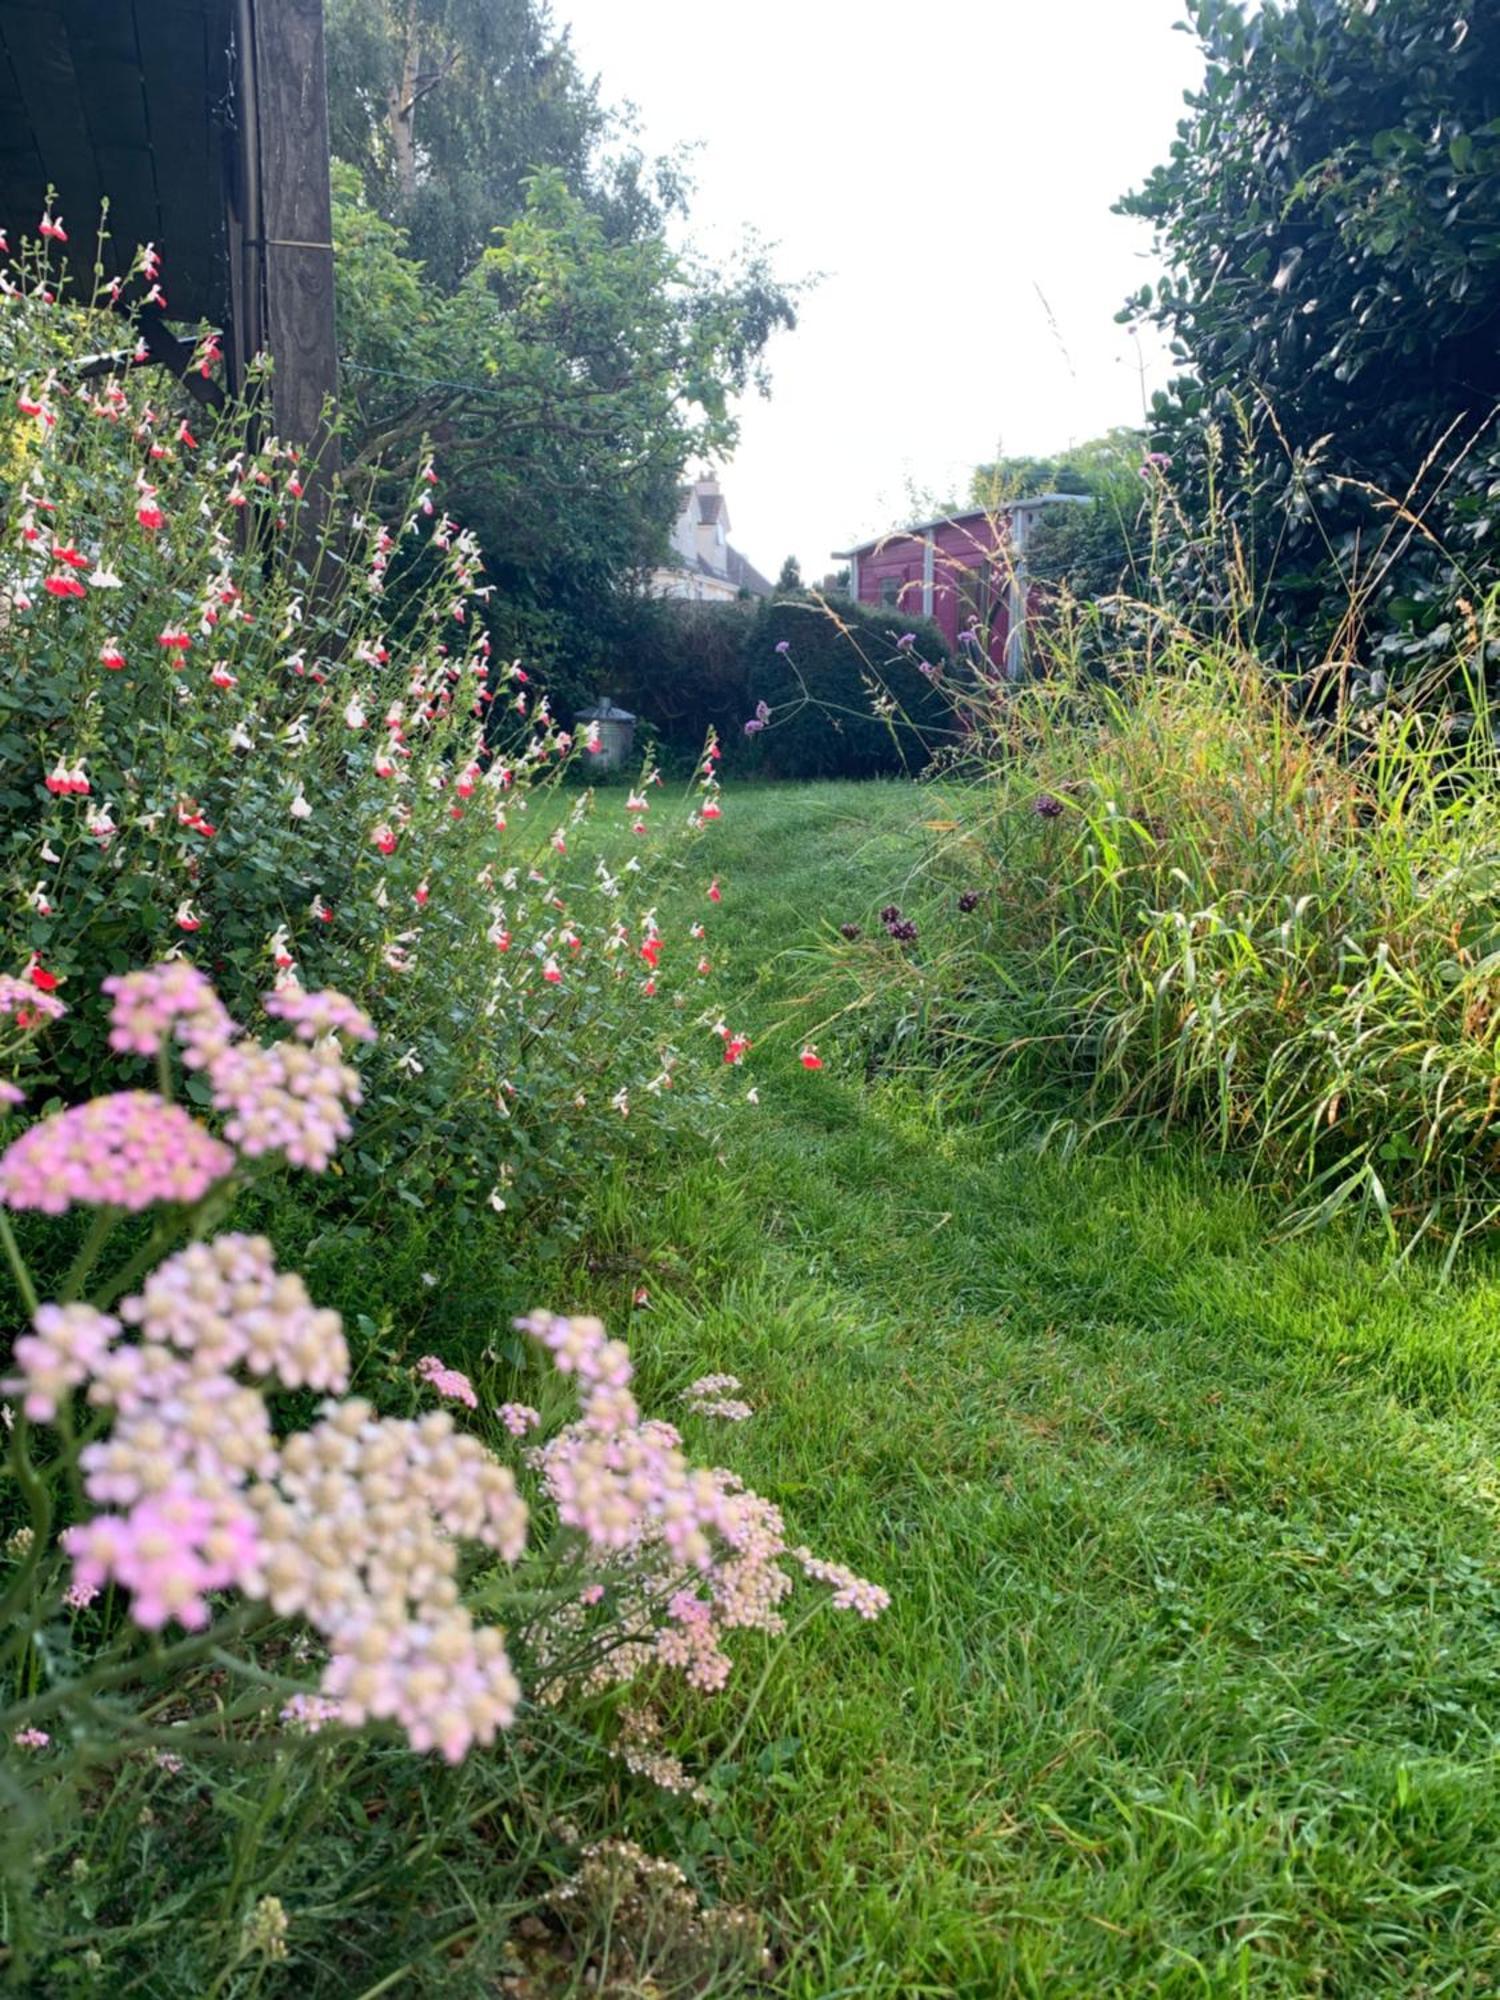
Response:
column 205, row 125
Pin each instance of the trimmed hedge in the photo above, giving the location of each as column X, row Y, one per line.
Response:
column 688, row 667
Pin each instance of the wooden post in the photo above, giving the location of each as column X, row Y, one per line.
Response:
column 285, row 221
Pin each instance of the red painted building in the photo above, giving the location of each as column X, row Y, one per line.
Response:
column 965, row 571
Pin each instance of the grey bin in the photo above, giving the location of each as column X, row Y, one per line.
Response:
column 616, row 728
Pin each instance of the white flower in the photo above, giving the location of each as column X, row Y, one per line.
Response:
column 105, row 579
column 300, row 808
column 411, row 1063
column 497, row 1200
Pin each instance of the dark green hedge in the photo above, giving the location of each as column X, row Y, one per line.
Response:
column 685, row 668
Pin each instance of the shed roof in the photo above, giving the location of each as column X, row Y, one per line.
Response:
column 1029, row 506
column 128, row 101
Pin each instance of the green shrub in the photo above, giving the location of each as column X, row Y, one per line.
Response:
column 206, row 749
column 1173, row 898
column 684, row 669
column 851, row 690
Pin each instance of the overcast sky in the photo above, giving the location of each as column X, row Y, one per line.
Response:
column 949, row 169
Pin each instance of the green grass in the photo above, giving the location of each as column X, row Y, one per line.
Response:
column 1190, row 1681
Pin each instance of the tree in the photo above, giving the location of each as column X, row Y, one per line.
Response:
column 446, row 107
column 564, row 386
column 789, row 581
column 1329, row 219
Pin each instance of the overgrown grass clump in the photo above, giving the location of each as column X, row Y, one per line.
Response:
column 1185, row 901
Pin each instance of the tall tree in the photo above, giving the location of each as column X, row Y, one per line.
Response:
column 446, row 107
column 1329, row 219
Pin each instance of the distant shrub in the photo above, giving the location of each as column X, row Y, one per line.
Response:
column 850, row 690
column 684, row 669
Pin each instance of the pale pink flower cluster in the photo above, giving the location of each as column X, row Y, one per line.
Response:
column 287, row 1098
column 359, row 1528
column 65, row 1347
column 690, row 1538
column 19, row 996
column 450, row 1382
column 314, row 1015
column 850, row 1592
column 709, row 1397
column 173, row 999
column 129, row 1150
column 518, row 1418
column 352, row 1524
column 310, row 1713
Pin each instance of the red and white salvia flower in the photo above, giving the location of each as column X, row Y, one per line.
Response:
column 384, row 838
column 51, row 227
column 187, row 918
column 810, row 1058
column 111, row 655
column 354, row 713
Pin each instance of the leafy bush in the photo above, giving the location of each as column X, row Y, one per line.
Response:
column 849, row 693
column 1170, row 895
column 282, row 750
column 685, row 668
column 1327, row 223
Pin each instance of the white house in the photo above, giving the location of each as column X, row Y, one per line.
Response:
column 702, row 566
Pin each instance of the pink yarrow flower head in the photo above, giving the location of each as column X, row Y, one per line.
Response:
column 518, row 1418
column 314, row 1015
column 62, row 1352
column 290, row 1099
column 129, row 1150
column 449, row 1382
column 172, row 999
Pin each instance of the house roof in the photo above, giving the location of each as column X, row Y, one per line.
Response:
column 745, row 576
column 1032, row 505
column 128, row 100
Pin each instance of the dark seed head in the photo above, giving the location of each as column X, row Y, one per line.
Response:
column 969, row 900
column 891, row 914
column 903, row 930
column 1046, row 806
column 850, row 931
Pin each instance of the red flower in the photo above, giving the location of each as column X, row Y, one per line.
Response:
column 43, row 980
column 150, row 518
column 64, row 585
column 714, row 894
column 735, row 1048
column 110, row 655
column 64, row 552
column 810, row 1058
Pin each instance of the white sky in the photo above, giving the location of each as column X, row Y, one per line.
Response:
column 947, row 168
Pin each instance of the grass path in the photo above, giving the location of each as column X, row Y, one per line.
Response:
column 1192, row 1680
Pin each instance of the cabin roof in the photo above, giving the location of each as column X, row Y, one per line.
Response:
column 1030, row 506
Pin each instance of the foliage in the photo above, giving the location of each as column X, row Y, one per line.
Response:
column 1105, row 464
column 848, row 694
column 685, row 668
column 207, row 750
column 1327, row 221
column 564, row 386
column 1156, row 1495
column 445, row 108
column 152, row 1480
column 844, row 690
column 1182, row 905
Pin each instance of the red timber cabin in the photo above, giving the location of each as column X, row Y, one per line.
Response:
column 965, row 571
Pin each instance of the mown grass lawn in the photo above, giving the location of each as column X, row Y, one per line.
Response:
column 1192, row 1678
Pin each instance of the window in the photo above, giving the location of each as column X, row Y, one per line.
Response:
column 890, row 590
